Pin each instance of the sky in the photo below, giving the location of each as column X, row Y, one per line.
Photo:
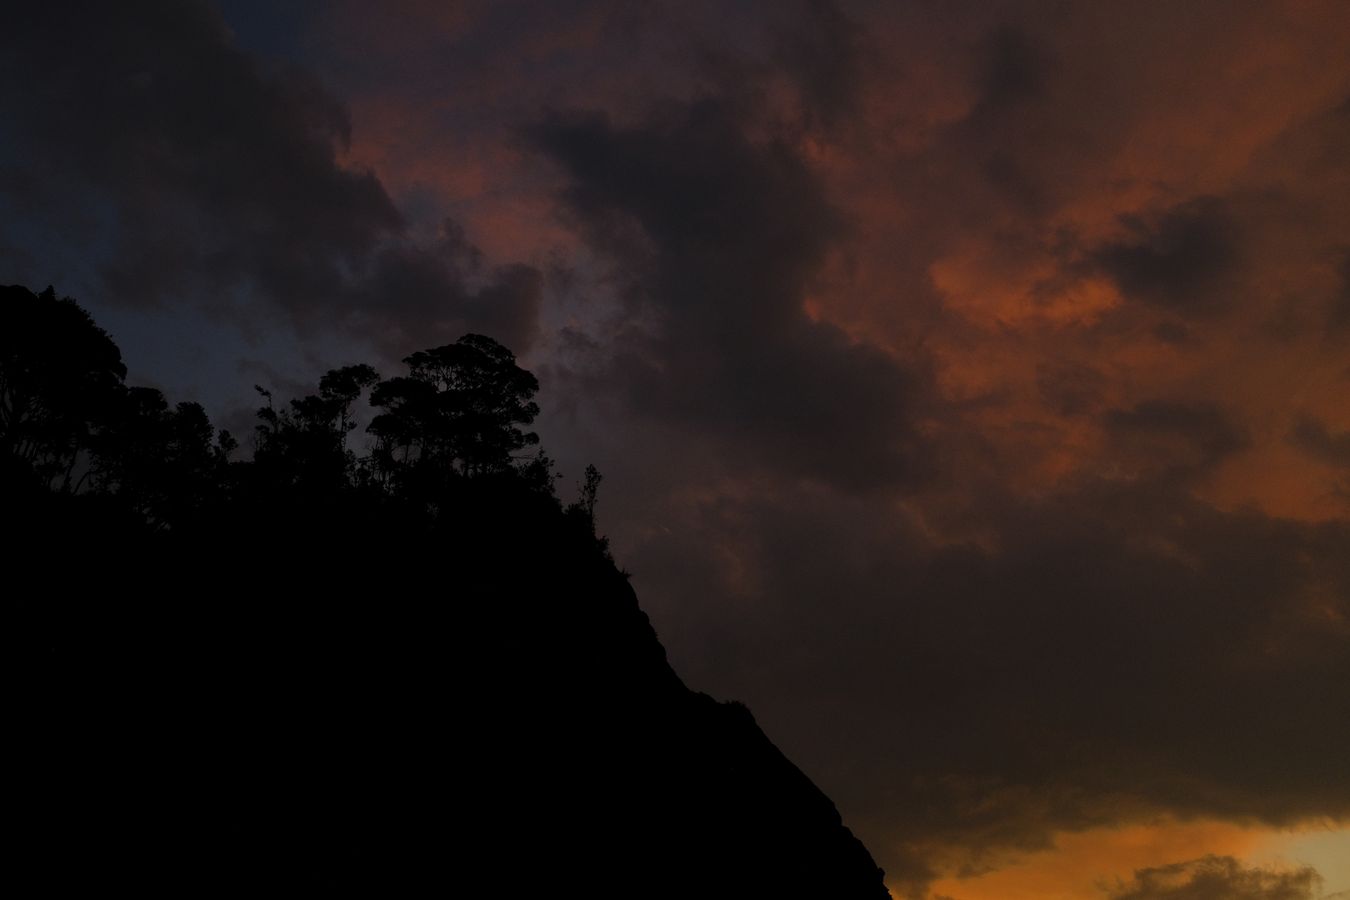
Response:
column 970, row 381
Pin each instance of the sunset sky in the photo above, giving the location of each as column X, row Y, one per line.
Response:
column 970, row 380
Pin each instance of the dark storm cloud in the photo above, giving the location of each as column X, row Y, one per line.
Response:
column 441, row 289
column 1319, row 441
column 212, row 162
column 1340, row 306
column 823, row 54
column 1014, row 68
column 1105, row 654
column 1218, row 878
column 1173, row 333
column 719, row 236
column 1186, row 439
column 187, row 170
column 1070, row 388
column 991, row 161
column 1177, row 260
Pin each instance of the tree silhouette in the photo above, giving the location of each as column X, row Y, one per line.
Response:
column 70, row 426
column 60, row 376
column 160, row 462
column 456, row 411
column 305, row 446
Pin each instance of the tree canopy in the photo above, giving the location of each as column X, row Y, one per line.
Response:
column 458, row 409
column 60, row 380
column 69, row 424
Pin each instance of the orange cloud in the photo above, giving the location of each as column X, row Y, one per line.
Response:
column 1085, row 866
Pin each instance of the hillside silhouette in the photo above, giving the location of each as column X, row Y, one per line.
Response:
column 392, row 663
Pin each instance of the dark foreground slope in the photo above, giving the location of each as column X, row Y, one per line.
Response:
column 408, row 673
column 484, row 705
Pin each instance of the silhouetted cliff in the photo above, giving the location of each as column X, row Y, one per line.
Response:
column 351, row 689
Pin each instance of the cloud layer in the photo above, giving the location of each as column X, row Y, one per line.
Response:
column 1218, row 878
